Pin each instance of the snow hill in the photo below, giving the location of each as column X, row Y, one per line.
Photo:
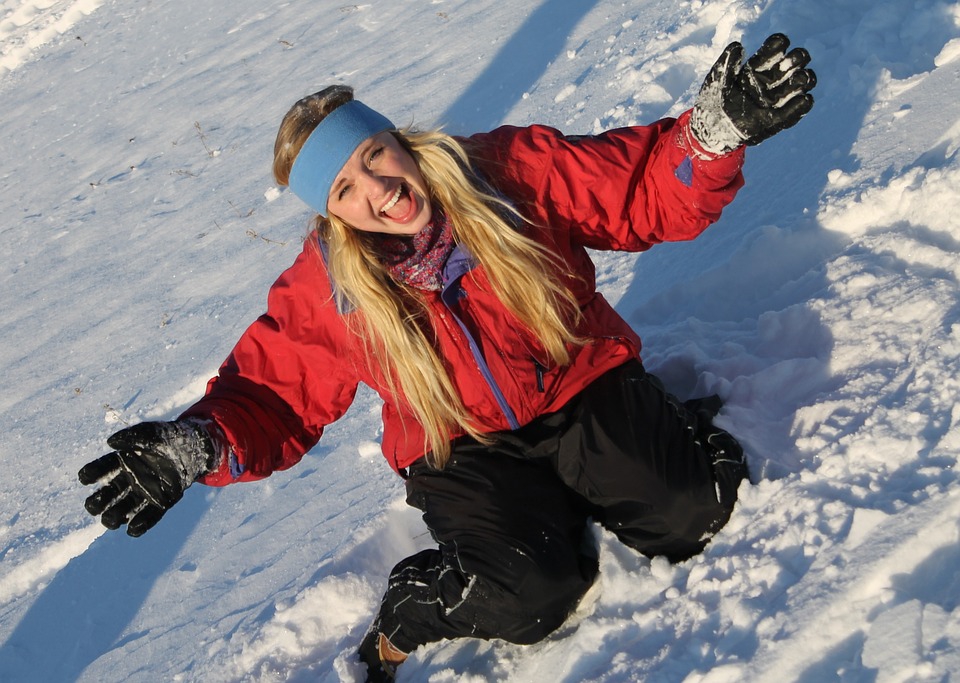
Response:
column 142, row 229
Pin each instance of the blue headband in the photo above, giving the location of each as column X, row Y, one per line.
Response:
column 327, row 149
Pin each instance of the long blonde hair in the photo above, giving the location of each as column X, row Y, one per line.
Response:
column 392, row 317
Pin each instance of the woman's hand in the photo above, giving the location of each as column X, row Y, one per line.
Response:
column 146, row 474
column 744, row 104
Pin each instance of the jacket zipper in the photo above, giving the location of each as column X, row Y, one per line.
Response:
column 449, row 297
column 539, row 369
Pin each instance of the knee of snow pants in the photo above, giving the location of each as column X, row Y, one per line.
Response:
column 642, row 463
column 511, row 562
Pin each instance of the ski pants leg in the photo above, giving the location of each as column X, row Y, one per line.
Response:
column 510, row 517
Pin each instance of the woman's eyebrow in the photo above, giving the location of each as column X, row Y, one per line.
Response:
column 362, row 151
column 366, row 145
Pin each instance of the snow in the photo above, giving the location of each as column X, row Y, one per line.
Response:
column 143, row 230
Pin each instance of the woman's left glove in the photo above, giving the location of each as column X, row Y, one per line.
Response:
column 151, row 466
column 744, row 104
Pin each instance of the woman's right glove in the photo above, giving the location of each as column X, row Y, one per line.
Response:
column 744, row 104
column 146, row 474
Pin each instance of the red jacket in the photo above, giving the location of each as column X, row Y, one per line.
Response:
column 297, row 368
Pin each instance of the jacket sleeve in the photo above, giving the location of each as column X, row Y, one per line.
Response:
column 284, row 381
column 625, row 189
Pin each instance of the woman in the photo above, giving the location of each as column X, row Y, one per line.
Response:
column 452, row 276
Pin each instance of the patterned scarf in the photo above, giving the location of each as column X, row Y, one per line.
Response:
column 417, row 260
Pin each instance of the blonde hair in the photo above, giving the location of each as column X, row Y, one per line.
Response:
column 392, row 317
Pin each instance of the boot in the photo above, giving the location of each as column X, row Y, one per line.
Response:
column 725, row 453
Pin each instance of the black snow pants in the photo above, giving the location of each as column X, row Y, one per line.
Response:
column 510, row 517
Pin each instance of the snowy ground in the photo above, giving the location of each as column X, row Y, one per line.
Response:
column 142, row 231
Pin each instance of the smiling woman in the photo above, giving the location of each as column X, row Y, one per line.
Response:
column 453, row 276
column 365, row 250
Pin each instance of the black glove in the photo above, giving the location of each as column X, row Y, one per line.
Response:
column 151, row 466
column 744, row 104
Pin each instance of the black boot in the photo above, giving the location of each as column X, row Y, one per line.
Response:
column 729, row 465
column 724, row 451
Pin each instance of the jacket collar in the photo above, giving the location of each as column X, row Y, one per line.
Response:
column 459, row 263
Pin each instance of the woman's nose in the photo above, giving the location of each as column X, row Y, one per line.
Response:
column 374, row 186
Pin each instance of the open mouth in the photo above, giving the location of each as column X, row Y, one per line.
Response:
column 402, row 206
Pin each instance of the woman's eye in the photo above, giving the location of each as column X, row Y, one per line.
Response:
column 343, row 192
column 376, row 153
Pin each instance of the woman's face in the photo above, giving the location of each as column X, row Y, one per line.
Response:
column 380, row 189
